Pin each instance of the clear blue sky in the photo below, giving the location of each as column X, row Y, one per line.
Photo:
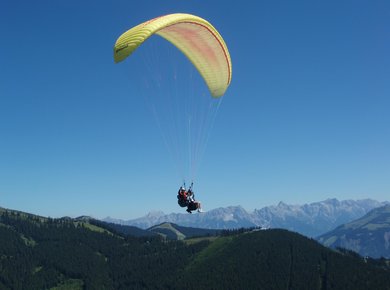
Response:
column 307, row 116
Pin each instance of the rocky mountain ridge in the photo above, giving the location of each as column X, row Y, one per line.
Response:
column 311, row 219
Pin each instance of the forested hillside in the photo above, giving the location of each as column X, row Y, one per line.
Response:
column 43, row 253
column 40, row 253
column 280, row 259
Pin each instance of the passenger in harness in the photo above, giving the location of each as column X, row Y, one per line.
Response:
column 192, row 203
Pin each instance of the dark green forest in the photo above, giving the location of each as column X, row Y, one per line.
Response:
column 45, row 253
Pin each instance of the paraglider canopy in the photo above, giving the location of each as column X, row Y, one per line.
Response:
column 194, row 36
column 183, row 108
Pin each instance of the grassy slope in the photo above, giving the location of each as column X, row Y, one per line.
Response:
column 169, row 231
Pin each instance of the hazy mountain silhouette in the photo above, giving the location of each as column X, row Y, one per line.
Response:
column 309, row 219
column 368, row 236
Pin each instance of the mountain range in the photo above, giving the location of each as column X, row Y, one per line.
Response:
column 310, row 220
column 368, row 236
column 82, row 253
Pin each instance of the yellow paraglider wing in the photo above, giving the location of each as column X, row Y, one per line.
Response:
column 194, row 36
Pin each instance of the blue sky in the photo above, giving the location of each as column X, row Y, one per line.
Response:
column 306, row 117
